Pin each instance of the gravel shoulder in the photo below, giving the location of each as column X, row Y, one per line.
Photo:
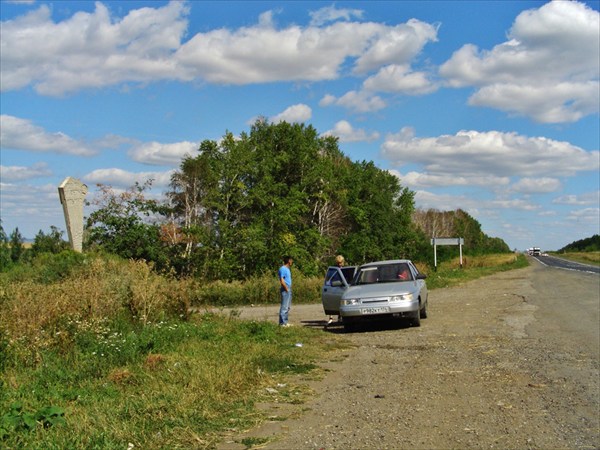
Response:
column 506, row 361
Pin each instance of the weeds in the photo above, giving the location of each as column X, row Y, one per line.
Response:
column 112, row 347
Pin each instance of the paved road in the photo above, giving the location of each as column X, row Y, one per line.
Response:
column 559, row 263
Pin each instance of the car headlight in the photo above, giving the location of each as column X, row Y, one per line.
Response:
column 401, row 298
column 349, row 301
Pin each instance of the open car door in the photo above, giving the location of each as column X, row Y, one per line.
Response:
column 337, row 280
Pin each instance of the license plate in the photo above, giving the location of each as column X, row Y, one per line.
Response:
column 375, row 310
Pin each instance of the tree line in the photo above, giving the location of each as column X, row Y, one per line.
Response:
column 234, row 208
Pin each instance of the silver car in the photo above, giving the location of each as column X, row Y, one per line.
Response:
column 379, row 289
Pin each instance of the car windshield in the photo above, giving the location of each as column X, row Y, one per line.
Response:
column 385, row 273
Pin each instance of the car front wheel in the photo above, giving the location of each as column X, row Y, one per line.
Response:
column 416, row 319
column 423, row 312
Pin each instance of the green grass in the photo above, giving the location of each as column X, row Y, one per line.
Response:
column 450, row 273
column 104, row 358
column 167, row 385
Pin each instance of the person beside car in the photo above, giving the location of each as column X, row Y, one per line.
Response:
column 285, row 290
column 339, row 261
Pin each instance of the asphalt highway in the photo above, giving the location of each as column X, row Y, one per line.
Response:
column 559, row 263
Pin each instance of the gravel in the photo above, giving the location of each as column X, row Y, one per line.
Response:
column 494, row 366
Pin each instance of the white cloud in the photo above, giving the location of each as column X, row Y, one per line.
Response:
column 94, row 50
column 35, row 207
column 536, row 185
column 294, row 114
column 471, row 204
column 124, row 179
column 21, row 134
column 332, row 14
column 447, row 202
column 357, row 101
column 548, row 69
column 421, row 180
column 588, row 198
column 346, row 133
column 400, row 79
column 91, row 49
column 586, row 215
column 20, row 173
column 157, row 154
column 396, row 45
column 492, row 153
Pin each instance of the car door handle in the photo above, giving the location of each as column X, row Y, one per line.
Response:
column 324, row 289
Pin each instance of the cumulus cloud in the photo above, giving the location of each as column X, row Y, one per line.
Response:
column 124, row 179
column 346, row 133
column 548, row 69
column 448, row 202
column 358, row 101
column 586, row 215
column 588, row 198
column 536, row 185
column 473, row 153
column 94, row 50
column 396, row 45
column 91, row 49
column 21, row 173
column 39, row 206
column 158, row 154
column 294, row 114
column 332, row 14
column 400, row 79
column 421, row 180
column 22, row 134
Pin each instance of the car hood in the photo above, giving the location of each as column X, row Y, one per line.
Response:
column 381, row 289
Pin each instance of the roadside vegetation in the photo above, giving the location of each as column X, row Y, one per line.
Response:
column 101, row 349
column 585, row 251
column 592, row 258
column 101, row 352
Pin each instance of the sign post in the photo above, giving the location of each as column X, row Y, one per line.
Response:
column 446, row 241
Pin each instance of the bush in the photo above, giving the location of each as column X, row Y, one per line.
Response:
column 39, row 315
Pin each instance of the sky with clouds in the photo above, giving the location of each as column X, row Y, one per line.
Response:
column 488, row 106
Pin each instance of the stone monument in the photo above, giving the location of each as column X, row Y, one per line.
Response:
column 72, row 196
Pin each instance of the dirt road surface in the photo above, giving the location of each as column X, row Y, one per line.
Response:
column 510, row 361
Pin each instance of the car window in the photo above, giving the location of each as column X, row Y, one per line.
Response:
column 348, row 273
column 330, row 273
column 385, row 273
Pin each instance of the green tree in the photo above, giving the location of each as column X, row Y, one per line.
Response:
column 16, row 246
column 128, row 225
column 5, row 259
column 49, row 243
column 241, row 203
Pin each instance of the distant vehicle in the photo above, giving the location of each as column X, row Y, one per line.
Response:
column 378, row 290
column 534, row 251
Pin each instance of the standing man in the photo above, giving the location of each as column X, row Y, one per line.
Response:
column 285, row 280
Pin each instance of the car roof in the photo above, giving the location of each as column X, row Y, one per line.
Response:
column 389, row 261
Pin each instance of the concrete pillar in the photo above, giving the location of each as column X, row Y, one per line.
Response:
column 72, row 196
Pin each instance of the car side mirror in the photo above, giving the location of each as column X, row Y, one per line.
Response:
column 337, row 283
column 421, row 276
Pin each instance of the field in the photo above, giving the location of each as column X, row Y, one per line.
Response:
column 97, row 352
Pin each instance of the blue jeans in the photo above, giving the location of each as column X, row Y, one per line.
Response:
column 284, row 309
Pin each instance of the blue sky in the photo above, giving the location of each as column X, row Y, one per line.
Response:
column 488, row 106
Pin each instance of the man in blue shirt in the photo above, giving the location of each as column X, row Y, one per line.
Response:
column 285, row 280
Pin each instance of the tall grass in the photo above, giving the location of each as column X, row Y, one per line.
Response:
column 108, row 357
